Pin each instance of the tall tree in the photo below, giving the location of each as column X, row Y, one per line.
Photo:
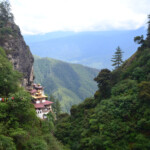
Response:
column 148, row 32
column 104, row 83
column 5, row 17
column 117, row 58
column 5, row 11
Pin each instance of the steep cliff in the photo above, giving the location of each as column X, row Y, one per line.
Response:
column 18, row 53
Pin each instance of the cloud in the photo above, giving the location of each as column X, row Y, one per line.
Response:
column 42, row 16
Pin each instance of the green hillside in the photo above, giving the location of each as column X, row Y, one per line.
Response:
column 70, row 83
column 118, row 116
column 20, row 129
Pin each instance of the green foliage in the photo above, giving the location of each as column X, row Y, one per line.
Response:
column 140, row 67
column 119, row 121
column 69, row 83
column 53, row 144
column 4, row 31
column 111, row 124
column 18, row 116
column 117, row 58
column 48, row 124
column 9, row 78
column 36, row 144
column 144, row 91
column 20, row 129
column 5, row 11
column 117, row 118
column 6, row 143
column 63, row 128
column 138, row 74
column 2, row 53
column 19, row 126
column 139, row 39
column 125, row 87
column 56, row 105
column 104, row 82
column 5, row 17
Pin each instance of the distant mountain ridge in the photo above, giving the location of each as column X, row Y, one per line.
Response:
column 70, row 83
column 94, row 49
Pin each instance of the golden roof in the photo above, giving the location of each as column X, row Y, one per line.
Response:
column 37, row 97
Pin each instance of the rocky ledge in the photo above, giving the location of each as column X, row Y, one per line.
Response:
column 19, row 53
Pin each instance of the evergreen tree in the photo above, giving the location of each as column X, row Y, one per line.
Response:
column 148, row 32
column 117, row 58
column 5, row 17
column 5, row 11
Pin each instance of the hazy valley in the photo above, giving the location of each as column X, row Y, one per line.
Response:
column 69, row 83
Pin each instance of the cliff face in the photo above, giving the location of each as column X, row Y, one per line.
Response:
column 19, row 53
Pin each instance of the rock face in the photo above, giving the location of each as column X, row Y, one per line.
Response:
column 19, row 54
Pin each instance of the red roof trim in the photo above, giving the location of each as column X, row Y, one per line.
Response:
column 39, row 105
column 47, row 102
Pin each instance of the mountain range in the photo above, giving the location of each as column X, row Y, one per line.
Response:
column 69, row 83
column 94, row 49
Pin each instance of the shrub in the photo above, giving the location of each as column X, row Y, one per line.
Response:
column 144, row 91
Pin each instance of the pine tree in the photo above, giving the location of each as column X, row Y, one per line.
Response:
column 117, row 58
column 148, row 33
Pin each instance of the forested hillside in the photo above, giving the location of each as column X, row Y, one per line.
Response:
column 19, row 126
column 69, row 83
column 118, row 116
column 20, row 129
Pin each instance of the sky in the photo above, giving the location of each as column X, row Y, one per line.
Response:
column 43, row 16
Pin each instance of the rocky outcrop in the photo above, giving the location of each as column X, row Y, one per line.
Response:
column 19, row 53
